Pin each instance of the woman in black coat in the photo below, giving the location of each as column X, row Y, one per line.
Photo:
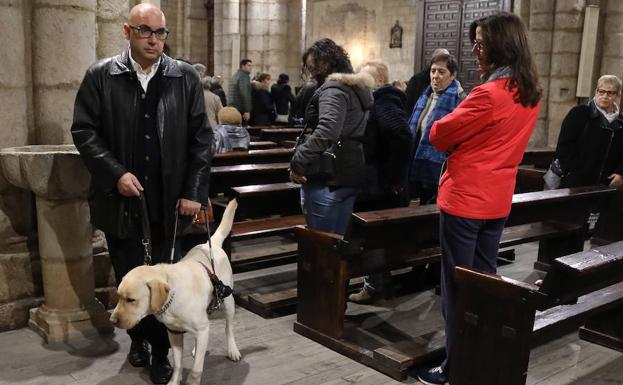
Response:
column 263, row 113
column 283, row 97
column 590, row 145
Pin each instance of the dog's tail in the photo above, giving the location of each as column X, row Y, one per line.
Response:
column 225, row 226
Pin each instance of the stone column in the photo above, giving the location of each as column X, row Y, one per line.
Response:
column 111, row 14
column 612, row 60
column 63, row 48
column 567, row 42
column 541, row 29
column 226, row 27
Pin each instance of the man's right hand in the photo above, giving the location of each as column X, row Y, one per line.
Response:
column 129, row 186
column 246, row 116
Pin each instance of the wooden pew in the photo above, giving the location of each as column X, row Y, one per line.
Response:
column 529, row 179
column 408, row 237
column 256, row 201
column 262, row 145
column 222, row 178
column 280, row 134
column 272, row 155
column 498, row 319
column 538, row 157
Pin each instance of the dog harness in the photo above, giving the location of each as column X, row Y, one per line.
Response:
column 221, row 291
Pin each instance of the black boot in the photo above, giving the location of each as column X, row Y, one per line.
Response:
column 161, row 370
column 139, row 354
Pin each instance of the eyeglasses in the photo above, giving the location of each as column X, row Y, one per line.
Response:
column 478, row 46
column 145, row 32
column 602, row 92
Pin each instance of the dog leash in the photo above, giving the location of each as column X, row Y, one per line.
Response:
column 146, row 231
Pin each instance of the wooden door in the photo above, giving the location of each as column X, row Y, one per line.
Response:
column 445, row 24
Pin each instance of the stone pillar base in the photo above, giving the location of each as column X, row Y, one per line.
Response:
column 59, row 327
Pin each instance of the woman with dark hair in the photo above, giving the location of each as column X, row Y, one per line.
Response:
column 485, row 136
column 283, row 97
column 337, row 115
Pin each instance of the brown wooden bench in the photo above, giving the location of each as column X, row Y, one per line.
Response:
column 271, row 155
column 500, row 319
column 222, row 178
column 538, row 157
column 262, row 145
column 407, row 237
column 256, row 201
column 529, row 179
column 280, row 134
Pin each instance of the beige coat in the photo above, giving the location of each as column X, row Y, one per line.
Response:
column 213, row 106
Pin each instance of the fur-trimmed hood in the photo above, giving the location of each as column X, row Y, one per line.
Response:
column 361, row 83
column 359, row 79
column 257, row 86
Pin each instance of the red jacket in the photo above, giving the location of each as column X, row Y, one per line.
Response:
column 487, row 135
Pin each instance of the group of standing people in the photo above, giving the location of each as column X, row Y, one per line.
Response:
column 141, row 127
column 258, row 102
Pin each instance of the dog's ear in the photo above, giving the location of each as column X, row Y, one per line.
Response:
column 158, row 294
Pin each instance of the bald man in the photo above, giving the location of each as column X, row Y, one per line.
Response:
column 141, row 128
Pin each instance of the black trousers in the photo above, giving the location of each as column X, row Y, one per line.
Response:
column 464, row 242
column 125, row 255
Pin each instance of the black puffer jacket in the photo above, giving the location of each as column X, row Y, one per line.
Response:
column 589, row 148
column 105, row 125
column 339, row 108
column 263, row 107
column 283, row 98
column 388, row 138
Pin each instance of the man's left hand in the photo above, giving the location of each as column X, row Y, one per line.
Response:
column 188, row 207
column 616, row 180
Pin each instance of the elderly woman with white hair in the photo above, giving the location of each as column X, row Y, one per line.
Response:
column 590, row 145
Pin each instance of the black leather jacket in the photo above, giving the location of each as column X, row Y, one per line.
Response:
column 104, row 130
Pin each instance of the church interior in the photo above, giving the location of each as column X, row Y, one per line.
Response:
column 294, row 323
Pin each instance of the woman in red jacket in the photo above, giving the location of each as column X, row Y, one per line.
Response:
column 485, row 136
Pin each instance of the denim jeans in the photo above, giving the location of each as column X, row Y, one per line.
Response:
column 328, row 210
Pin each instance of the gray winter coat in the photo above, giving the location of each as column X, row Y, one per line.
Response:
column 340, row 111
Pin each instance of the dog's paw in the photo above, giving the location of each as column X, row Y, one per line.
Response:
column 194, row 378
column 234, row 354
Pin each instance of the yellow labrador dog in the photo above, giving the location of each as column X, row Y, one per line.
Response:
column 179, row 296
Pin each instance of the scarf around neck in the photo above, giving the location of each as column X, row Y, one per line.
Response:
column 427, row 161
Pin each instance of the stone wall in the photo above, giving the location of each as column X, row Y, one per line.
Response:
column 266, row 31
column 612, row 59
column 363, row 29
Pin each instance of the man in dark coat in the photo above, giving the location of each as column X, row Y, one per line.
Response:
column 141, row 128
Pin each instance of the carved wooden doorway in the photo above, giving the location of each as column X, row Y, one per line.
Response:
column 445, row 24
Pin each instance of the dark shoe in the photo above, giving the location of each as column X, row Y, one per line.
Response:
column 139, row 354
column 434, row 376
column 161, row 370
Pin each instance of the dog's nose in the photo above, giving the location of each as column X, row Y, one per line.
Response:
column 114, row 320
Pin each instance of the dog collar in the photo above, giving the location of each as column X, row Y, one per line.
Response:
column 167, row 304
